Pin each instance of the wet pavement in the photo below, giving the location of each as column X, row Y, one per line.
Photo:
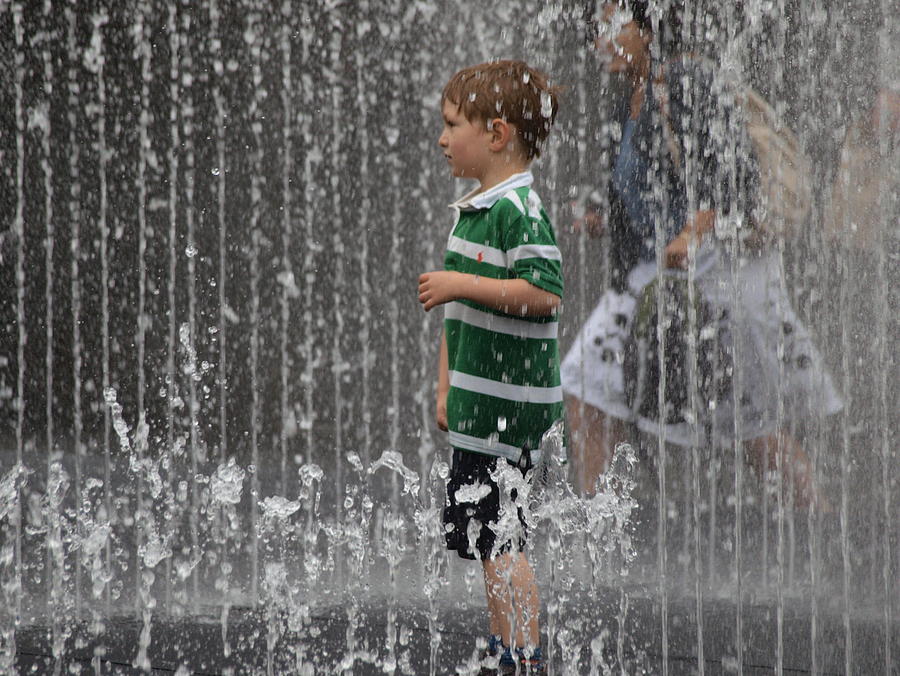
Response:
column 388, row 636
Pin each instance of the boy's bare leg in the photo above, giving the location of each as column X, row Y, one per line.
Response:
column 594, row 435
column 511, row 572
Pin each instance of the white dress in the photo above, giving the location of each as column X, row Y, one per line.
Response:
column 777, row 368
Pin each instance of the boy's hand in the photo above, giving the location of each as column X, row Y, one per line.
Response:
column 442, row 411
column 438, row 287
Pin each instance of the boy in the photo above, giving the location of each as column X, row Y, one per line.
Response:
column 498, row 379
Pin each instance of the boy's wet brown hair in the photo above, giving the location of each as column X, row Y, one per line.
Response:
column 510, row 90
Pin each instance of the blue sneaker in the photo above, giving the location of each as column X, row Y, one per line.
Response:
column 530, row 665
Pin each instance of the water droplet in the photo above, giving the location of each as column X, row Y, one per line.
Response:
column 215, row 171
column 501, row 424
column 190, row 251
column 546, row 105
column 277, row 507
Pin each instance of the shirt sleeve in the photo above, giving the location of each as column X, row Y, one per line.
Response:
column 530, row 246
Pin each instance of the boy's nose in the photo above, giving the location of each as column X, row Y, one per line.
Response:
column 442, row 140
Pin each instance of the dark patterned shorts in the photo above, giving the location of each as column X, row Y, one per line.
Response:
column 469, row 469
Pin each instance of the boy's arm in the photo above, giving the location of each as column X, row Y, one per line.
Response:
column 443, row 384
column 512, row 296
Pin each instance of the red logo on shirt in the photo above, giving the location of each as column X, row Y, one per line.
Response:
column 480, row 256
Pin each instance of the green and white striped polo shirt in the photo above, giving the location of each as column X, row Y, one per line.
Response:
column 504, row 369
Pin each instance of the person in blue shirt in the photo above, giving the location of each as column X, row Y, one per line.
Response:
column 685, row 172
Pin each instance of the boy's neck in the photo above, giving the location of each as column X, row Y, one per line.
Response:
column 496, row 175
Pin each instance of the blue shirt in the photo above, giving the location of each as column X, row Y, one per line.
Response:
column 651, row 188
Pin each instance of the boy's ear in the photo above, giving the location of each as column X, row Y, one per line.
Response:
column 501, row 134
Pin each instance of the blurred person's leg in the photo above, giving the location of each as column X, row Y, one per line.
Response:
column 796, row 467
column 593, row 436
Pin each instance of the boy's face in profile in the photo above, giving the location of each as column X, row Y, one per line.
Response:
column 465, row 143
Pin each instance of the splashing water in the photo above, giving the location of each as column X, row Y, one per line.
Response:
column 393, row 460
column 209, row 343
column 227, row 483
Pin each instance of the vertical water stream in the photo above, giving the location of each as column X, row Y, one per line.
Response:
column 215, row 214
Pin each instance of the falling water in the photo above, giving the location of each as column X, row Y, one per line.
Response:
column 289, row 285
column 216, row 385
column 75, row 248
column 54, row 567
column 173, row 398
column 339, row 299
column 14, row 509
column 142, row 49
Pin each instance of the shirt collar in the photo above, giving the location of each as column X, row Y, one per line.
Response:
column 476, row 200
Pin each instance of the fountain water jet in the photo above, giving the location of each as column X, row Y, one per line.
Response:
column 215, row 214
